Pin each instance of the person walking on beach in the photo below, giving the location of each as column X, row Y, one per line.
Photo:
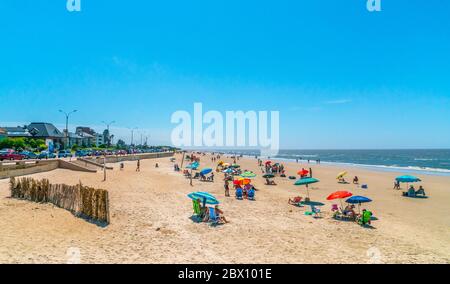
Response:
column 227, row 188
column 138, row 166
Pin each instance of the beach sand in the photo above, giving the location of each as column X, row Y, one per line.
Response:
column 150, row 221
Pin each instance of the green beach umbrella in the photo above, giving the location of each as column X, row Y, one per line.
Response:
column 248, row 175
column 306, row 182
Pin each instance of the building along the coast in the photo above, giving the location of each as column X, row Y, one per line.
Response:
column 2, row 134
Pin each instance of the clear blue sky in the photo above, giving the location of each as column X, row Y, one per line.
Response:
column 340, row 76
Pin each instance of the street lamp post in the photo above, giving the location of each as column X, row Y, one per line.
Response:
column 132, row 135
column 67, row 114
column 107, row 127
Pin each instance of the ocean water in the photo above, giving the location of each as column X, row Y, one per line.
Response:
column 435, row 161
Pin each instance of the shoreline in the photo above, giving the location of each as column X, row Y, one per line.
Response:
column 376, row 168
column 151, row 220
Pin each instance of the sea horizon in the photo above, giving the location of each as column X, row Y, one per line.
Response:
column 413, row 161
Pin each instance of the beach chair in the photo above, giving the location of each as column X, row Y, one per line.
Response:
column 314, row 211
column 297, row 201
column 251, row 194
column 196, row 206
column 213, row 218
column 239, row 193
column 334, row 208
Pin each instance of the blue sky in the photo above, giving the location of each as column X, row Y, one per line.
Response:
column 340, row 76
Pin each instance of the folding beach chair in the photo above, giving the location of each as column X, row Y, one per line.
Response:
column 314, row 211
column 196, row 206
column 213, row 218
column 239, row 193
column 251, row 194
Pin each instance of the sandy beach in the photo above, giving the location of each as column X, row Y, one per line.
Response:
column 150, row 221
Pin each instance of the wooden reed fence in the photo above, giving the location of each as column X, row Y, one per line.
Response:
column 82, row 201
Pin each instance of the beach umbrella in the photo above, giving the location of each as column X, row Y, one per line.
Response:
column 303, row 172
column 206, row 171
column 235, row 166
column 268, row 162
column 358, row 200
column 306, row 182
column 268, row 176
column 339, row 195
column 341, row 175
column 407, row 179
column 248, row 175
column 228, row 171
column 244, row 181
column 205, row 197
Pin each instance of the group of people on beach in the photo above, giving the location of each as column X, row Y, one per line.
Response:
column 246, row 191
column 203, row 213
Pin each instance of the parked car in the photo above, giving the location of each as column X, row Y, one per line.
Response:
column 64, row 154
column 80, row 153
column 28, row 155
column 11, row 155
column 46, row 155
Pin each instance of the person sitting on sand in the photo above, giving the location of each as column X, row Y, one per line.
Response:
column 270, row 182
column 219, row 214
column 421, row 191
column 122, row 166
column 355, row 180
column 349, row 211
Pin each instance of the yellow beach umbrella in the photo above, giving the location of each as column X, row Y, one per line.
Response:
column 341, row 175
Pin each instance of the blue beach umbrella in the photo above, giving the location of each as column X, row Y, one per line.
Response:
column 193, row 165
column 358, row 200
column 228, row 171
column 407, row 179
column 206, row 171
column 205, row 197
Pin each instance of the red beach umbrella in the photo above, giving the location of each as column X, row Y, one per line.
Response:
column 268, row 162
column 339, row 195
column 303, row 172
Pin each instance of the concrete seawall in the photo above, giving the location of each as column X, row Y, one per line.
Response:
column 21, row 168
column 27, row 167
column 118, row 159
